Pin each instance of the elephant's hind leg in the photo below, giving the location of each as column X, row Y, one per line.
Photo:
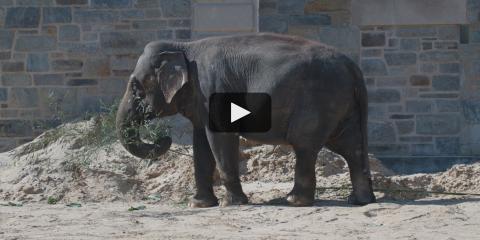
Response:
column 349, row 145
column 307, row 135
column 303, row 192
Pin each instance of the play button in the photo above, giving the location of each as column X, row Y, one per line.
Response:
column 239, row 112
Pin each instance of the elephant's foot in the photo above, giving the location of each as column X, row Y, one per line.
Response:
column 361, row 199
column 203, row 202
column 300, row 200
column 233, row 199
column 301, row 197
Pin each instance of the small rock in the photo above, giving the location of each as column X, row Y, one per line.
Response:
column 28, row 189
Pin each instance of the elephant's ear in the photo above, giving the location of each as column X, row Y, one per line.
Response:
column 171, row 72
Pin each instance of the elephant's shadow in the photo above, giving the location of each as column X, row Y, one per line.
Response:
column 435, row 201
column 282, row 201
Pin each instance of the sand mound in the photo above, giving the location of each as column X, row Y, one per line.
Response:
column 64, row 169
column 67, row 171
column 459, row 178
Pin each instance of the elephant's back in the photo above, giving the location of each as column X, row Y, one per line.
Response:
column 269, row 62
column 267, row 43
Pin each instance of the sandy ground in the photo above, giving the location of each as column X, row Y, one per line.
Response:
column 329, row 219
column 107, row 181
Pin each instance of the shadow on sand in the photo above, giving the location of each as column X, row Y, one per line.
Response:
column 343, row 203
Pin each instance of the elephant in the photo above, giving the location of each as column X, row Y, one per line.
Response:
column 318, row 99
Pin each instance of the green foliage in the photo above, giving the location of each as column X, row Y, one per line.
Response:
column 12, row 204
column 141, row 207
column 154, row 130
column 52, row 200
column 54, row 102
column 99, row 135
column 44, row 141
column 183, row 203
column 102, row 132
column 75, row 205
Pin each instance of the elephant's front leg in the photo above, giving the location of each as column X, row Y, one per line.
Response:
column 225, row 150
column 204, row 165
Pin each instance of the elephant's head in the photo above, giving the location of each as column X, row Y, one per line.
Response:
column 151, row 91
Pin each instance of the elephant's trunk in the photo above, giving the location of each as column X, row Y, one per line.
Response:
column 130, row 117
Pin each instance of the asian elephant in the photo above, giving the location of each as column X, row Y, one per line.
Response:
column 318, row 99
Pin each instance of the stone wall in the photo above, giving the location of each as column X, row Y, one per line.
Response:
column 414, row 80
column 68, row 55
column 423, row 80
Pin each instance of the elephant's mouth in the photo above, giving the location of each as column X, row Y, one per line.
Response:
column 130, row 138
column 150, row 115
column 129, row 121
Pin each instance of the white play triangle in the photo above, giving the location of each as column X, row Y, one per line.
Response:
column 237, row 112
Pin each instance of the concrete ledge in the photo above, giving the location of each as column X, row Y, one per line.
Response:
column 225, row 16
column 424, row 164
column 408, row 12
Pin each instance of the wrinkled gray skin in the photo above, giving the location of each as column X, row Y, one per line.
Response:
column 318, row 100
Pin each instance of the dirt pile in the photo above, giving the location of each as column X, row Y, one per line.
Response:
column 59, row 166
column 459, row 178
column 276, row 163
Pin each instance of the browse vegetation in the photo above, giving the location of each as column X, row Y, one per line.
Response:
column 52, row 200
column 141, row 207
column 74, row 205
column 89, row 139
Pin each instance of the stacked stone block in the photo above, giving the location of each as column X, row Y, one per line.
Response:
column 414, row 78
column 423, row 80
column 323, row 20
column 68, row 55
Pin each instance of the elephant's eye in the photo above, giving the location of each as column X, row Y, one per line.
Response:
column 149, row 83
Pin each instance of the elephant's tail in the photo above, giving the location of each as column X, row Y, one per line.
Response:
column 361, row 98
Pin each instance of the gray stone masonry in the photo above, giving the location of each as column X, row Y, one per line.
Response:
column 423, row 80
column 74, row 52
